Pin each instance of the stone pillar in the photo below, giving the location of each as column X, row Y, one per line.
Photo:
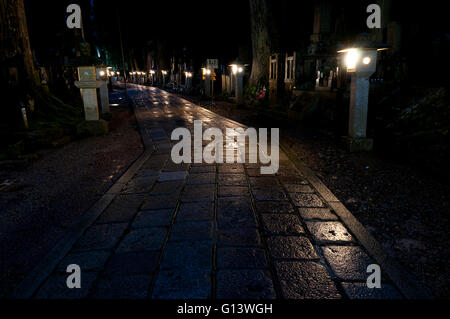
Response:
column 359, row 101
column 88, row 85
column 102, row 75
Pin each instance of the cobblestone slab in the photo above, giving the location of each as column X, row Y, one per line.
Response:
column 245, row 284
column 306, row 280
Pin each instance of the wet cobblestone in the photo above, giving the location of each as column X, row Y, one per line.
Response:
column 181, row 231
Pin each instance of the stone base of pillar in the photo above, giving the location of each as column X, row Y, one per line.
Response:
column 92, row 128
column 355, row 145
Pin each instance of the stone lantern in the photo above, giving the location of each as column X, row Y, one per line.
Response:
column 361, row 62
column 237, row 74
column 102, row 75
column 88, row 85
column 208, row 76
column 164, row 74
column 188, row 82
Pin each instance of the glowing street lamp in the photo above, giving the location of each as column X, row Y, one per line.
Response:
column 236, row 69
column 206, row 71
column 361, row 62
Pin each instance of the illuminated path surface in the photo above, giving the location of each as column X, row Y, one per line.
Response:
column 213, row 231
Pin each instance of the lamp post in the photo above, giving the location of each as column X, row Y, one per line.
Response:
column 361, row 62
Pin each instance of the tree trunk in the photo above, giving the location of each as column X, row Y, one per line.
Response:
column 259, row 12
column 14, row 39
column 18, row 76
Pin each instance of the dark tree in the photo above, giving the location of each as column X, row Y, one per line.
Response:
column 259, row 12
column 18, row 74
column 15, row 43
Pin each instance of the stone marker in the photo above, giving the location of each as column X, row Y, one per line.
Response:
column 88, row 86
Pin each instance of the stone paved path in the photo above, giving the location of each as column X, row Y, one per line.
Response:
column 213, row 231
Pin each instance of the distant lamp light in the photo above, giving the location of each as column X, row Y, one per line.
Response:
column 102, row 73
column 367, row 60
column 351, row 60
column 235, row 69
column 362, row 56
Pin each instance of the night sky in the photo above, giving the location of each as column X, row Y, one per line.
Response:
column 214, row 29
